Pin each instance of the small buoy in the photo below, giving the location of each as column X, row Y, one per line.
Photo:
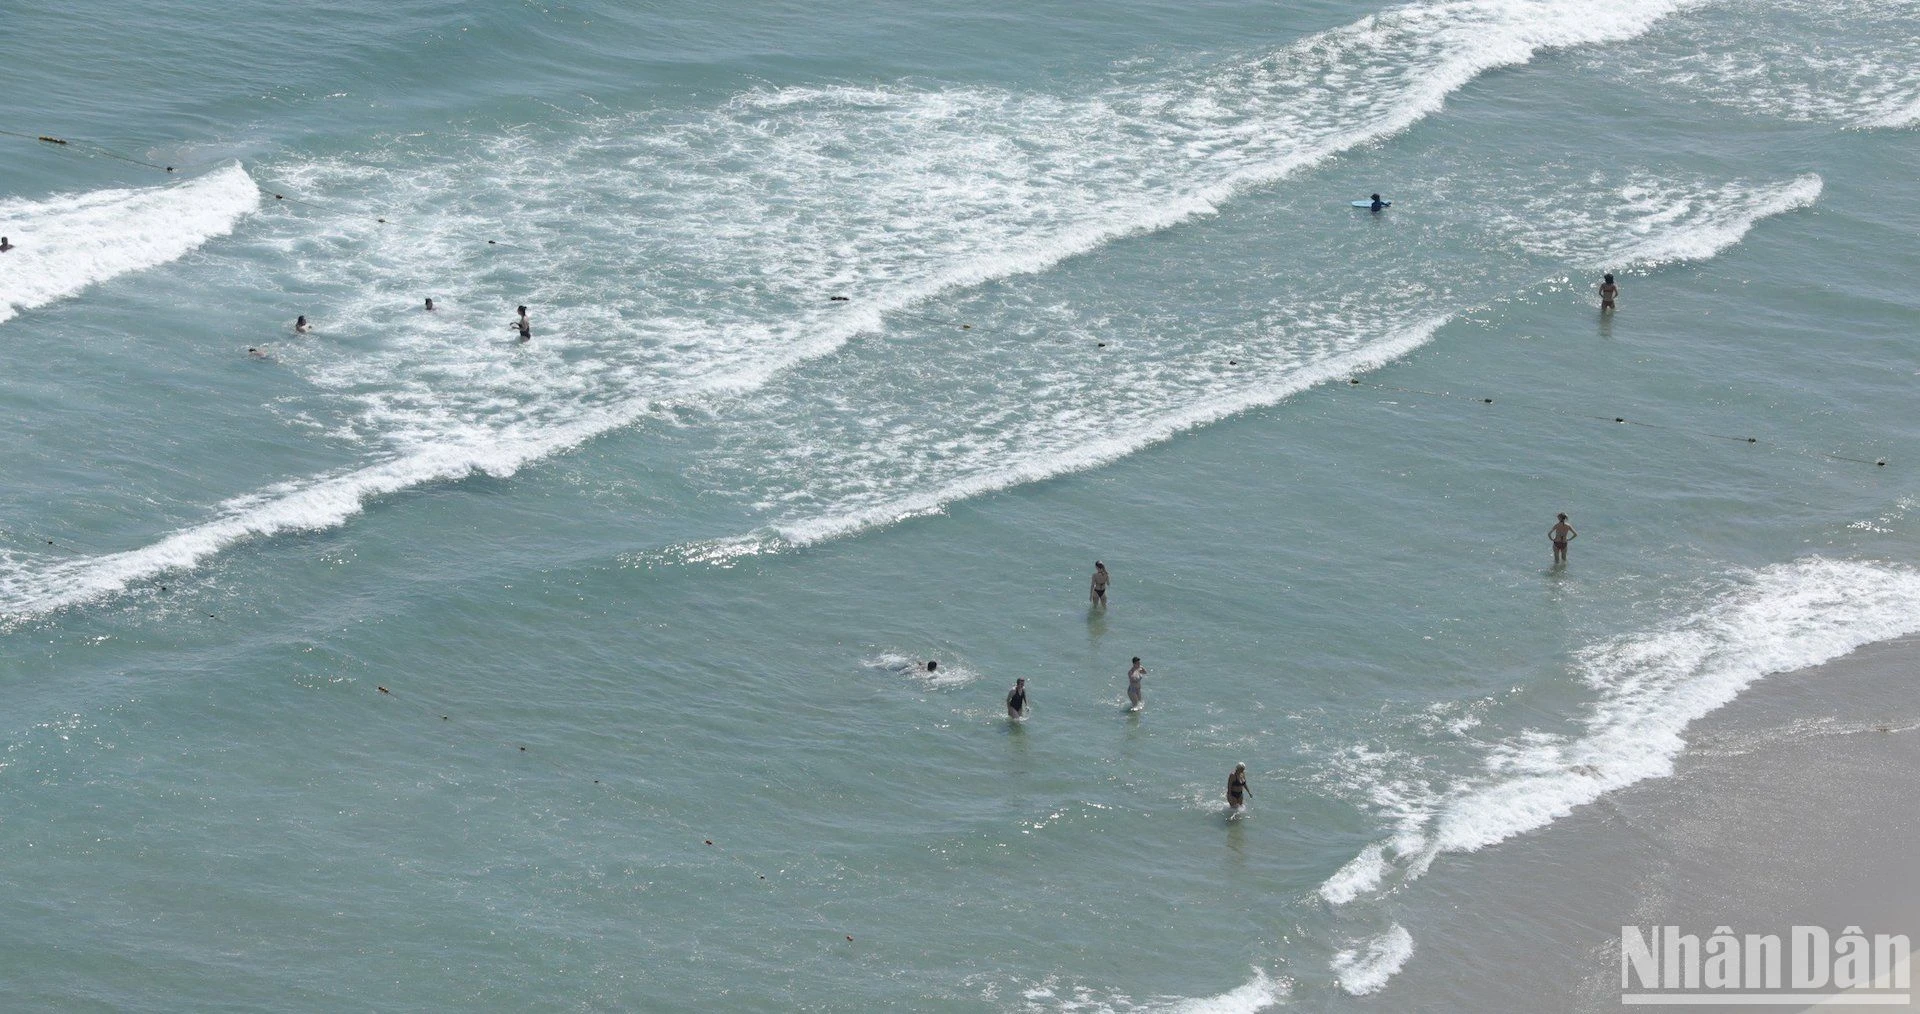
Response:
column 443, row 718
column 383, row 690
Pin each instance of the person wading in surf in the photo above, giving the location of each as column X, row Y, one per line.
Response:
column 1608, row 292
column 1017, row 700
column 1098, row 596
column 1237, row 791
column 1134, row 676
column 1560, row 535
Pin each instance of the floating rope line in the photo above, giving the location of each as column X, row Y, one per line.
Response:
column 1624, row 421
column 445, row 716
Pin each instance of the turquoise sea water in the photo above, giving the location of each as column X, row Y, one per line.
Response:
column 647, row 581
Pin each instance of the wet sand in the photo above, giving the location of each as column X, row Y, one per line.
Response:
column 1795, row 804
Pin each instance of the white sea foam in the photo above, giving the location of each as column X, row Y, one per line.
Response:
column 1259, row 993
column 1648, row 221
column 1365, row 968
column 1855, row 63
column 684, row 256
column 1651, row 686
column 68, row 242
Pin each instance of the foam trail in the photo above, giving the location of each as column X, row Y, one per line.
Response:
column 1104, row 450
column 68, row 242
column 894, row 194
column 1257, row 994
column 1649, row 221
column 313, row 505
column 1364, row 969
column 1651, row 687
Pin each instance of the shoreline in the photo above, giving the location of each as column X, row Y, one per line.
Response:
column 1791, row 805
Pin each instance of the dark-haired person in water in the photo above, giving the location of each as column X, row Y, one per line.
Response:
column 1377, row 203
column 1560, row 535
column 429, row 302
column 1237, row 791
column 1098, row 595
column 4, row 245
column 524, row 325
column 1017, row 700
column 1608, row 292
column 300, row 325
column 1134, row 676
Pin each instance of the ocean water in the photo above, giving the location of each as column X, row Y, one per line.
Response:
column 406, row 666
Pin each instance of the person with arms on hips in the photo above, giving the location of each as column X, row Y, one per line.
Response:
column 1561, row 534
column 1017, row 700
column 1098, row 595
column 1237, row 791
column 1134, row 676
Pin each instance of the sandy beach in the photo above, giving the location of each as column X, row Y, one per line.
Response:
column 1791, row 806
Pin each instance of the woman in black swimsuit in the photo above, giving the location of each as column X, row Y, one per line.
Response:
column 1237, row 791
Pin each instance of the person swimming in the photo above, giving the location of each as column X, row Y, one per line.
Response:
column 1237, row 791
column 1608, row 292
column 1017, row 700
column 257, row 353
column 5, row 245
column 1134, row 676
column 1377, row 203
column 300, row 325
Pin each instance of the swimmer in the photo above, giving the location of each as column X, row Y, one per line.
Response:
column 1237, row 791
column 1377, row 203
column 1098, row 596
column 429, row 304
column 257, row 354
column 1608, row 292
column 525, row 325
column 300, row 325
column 4, row 245
column 1134, row 676
column 1017, row 700
column 928, row 666
column 1560, row 535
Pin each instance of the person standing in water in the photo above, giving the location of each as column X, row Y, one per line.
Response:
column 1134, row 676
column 1017, row 700
column 524, row 324
column 4, row 245
column 429, row 304
column 300, row 325
column 1608, row 292
column 1237, row 791
column 1561, row 534
column 1098, row 596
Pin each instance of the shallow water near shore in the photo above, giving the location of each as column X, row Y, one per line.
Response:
column 408, row 665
